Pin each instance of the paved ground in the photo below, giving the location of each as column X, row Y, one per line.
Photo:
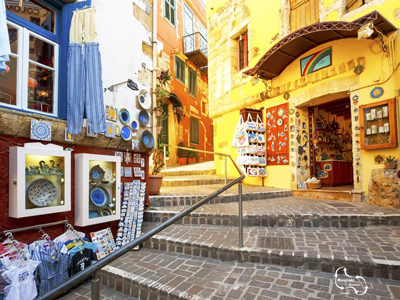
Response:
column 207, row 165
column 365, row 245
column 83, row 292
column 159, row 275
column 288, row 206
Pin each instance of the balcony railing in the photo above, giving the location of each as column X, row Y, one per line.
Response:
column 195, row 47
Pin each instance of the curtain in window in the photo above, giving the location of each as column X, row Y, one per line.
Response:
column 4, row 39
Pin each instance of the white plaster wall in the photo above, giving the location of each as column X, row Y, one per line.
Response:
column 120, row 36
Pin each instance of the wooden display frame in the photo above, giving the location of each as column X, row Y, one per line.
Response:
column 391, row 103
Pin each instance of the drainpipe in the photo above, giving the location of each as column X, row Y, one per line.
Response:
column 154, row 81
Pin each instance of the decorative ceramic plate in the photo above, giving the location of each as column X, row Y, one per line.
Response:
column 148, row 139
column 297, row 114
column 40, row 130
column 124, row 116
column 144, row 118
column 93, row 214
column 106, row 212
column 280, row 112
column 96, row 174
column 376, row 92
column 42, row 192
column 134, row 125
column 291, row 111
column 268, row 114
column 126, row 133
column 99, row 196
column 144, row 99
column 280, row 122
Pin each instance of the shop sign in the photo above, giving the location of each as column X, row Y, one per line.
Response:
column 316, row 61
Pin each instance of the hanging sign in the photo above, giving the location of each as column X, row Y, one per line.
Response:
column 316, row 61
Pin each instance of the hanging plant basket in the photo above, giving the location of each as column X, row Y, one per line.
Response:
column 390, row 165
column 158, row 129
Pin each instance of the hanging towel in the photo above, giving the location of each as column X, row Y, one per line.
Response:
column 4, row 40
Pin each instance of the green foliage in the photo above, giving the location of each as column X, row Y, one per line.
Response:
column 182, row 153
column 390, row 159
column 192, row 154
column 158, row 161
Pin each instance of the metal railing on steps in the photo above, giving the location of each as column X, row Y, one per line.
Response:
column 94, row 268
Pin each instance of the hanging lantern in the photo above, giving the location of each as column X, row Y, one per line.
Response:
column 32, row 82
column 8, row 69
column 43, row 94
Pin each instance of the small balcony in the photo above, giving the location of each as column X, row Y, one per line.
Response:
column 195, row 47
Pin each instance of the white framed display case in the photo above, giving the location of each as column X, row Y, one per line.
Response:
column 97, row 189
column 39, row 180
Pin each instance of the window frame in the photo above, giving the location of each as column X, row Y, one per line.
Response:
column 192, row 74
column 168, row 2
column 23, row 67
column 194, row 131
column 244, row 37
column 180, row 63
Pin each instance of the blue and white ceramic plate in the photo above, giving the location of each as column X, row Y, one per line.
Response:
column 96, row 174
column 144, row 118
column 99, row 196
column 42, row 192
column 144, row 99
column 124, row 116
column 40, row 130
column 126, row 133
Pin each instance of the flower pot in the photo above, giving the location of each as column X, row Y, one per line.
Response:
column 199, row 159
column 390, row 165
column 158, row 112
column 182, row 161
column 158, row 129
column 155, row 182
column 191, row 160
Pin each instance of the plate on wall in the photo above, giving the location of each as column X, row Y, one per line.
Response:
column 42, row 192
column 144, row 99
column 126, row 133
column 144, row 118
column 124, row 116
column 99, row 196
column 96, row 174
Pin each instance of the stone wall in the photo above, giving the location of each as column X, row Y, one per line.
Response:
column 384, row 188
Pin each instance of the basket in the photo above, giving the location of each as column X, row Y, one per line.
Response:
column 312, row 185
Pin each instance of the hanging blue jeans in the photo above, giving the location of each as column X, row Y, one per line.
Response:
column 85, row 89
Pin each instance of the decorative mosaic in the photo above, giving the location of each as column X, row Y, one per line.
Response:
column 40, row 130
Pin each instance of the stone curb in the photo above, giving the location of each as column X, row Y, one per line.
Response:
column 193, row 182
column 286, row 258
column 160, row 201
column 297, row 221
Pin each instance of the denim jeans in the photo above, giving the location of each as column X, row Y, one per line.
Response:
column 85, row 89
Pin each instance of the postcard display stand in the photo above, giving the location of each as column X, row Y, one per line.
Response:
column 40, row 180
column 130, row 226
column 252, row 152
column 97, row 189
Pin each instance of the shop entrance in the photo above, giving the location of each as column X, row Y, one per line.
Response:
column 331, row 145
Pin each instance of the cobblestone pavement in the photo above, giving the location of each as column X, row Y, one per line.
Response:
column 362, row 246
column 288, row 206
column 83, row 292
column 157, row 275
column 208, row 189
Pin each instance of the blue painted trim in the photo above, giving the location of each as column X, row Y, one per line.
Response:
column 29, row 111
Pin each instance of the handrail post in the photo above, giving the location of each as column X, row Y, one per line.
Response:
column 240, row 216
column 95, row 287
column 226, row 181
column 165, row 158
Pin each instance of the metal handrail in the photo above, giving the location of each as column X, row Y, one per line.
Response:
column 79, row 277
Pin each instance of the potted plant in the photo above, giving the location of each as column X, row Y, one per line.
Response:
column 199, row 159
column 182, row 154
column 390, row 162
column 155, row 179
column 158, row 111
column 162, row 95
column 192, row 155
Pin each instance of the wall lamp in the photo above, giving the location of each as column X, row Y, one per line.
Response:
column 130, row 83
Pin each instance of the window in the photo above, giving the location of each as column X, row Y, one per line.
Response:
column 303, row 13
column 31, row 79
column 180, row 69
column 169, row 11
column 242, row 51
column 192, row 82
column 203, row 107
column 353, row 4
column 189, row 37
column 194, row 131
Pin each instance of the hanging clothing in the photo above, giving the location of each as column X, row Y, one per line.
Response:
column 85, row 89
column 52, row 271
column 83, row 27
column 22, row 282
column 84, row 86
column 5, row 49
column 81, row 260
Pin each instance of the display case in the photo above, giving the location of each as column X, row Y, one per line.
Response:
column 39, row 180
column 378, row 125
column 97, row 189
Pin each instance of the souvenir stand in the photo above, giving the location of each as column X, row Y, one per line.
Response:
column 250, row 142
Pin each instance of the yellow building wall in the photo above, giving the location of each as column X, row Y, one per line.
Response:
column 229, row 91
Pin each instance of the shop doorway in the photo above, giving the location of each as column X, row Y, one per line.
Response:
column 331, row 145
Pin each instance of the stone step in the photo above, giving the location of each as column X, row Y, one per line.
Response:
column 366, row 251
column 159, row 275
column 181, row 200
column 282, row 212
column 193, row 180
column 188, row 172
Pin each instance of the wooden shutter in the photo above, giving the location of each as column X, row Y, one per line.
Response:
column 303, row 13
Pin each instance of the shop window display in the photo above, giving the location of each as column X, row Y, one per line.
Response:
column 40, row 180
column 97, row 190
